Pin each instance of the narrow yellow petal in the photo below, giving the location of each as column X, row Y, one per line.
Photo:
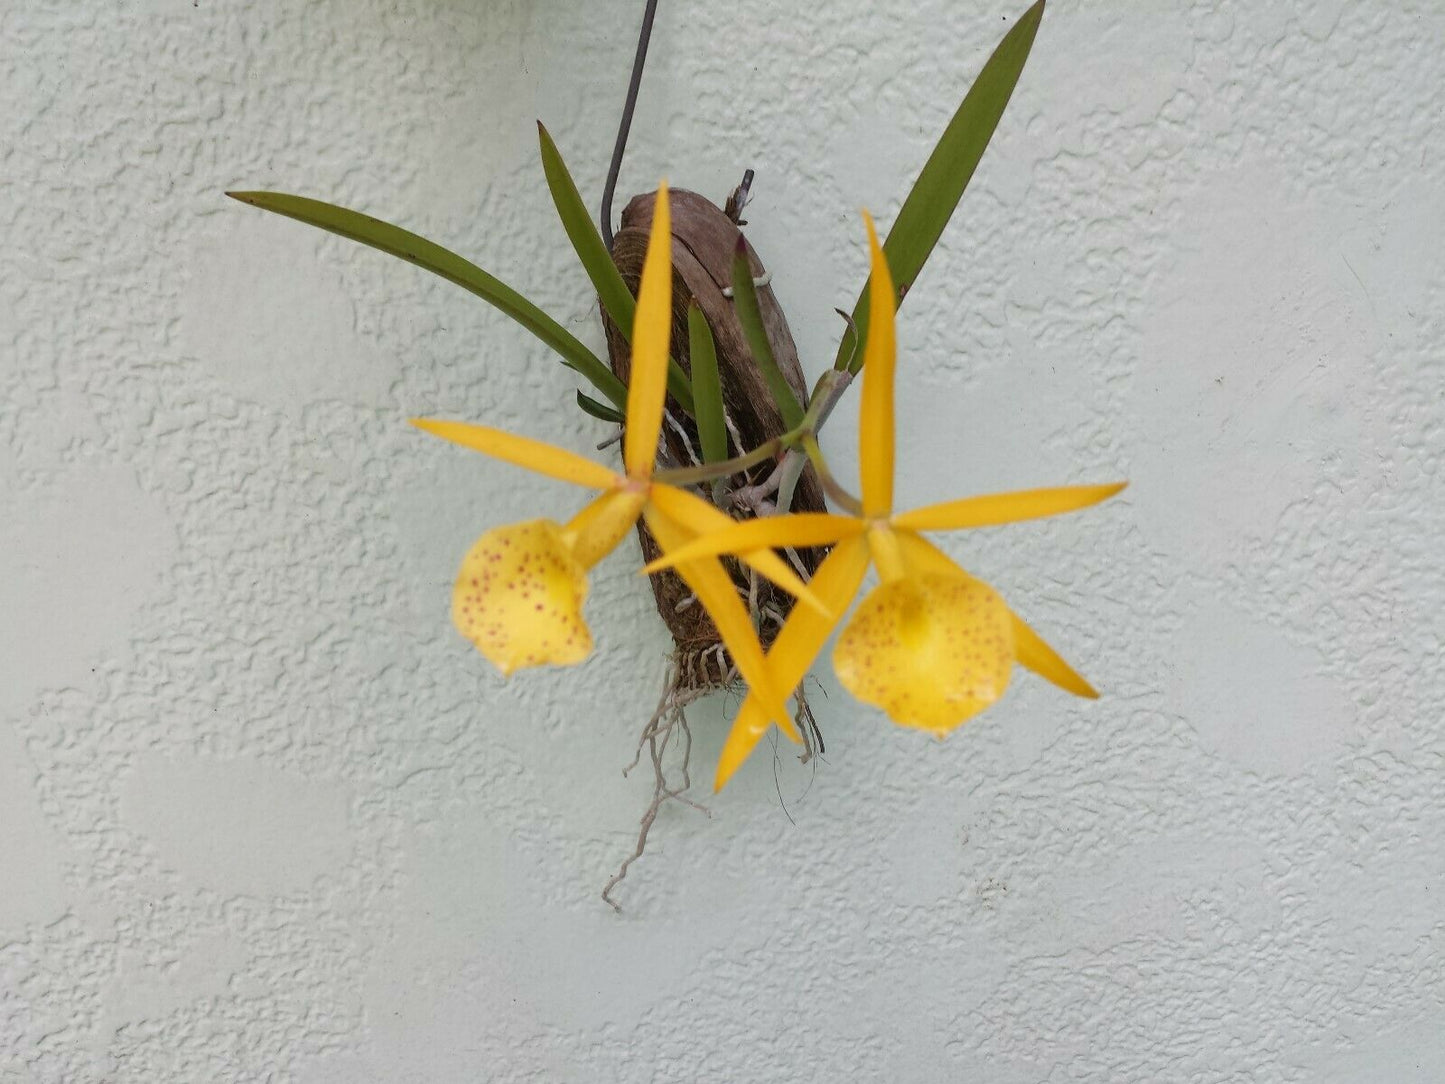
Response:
column 747, row 730
column 1043, row 660
column 533, row 454
column 651, row 330
column 702, row 518
column 875, row 416
column 715, row 590
column 922, row 558
column 930, row 650
column 803, row 634
column 518, row 597
column 594, row 532
column 996, row 508
column 732, row 536
column 797, row 645
column 887, row 556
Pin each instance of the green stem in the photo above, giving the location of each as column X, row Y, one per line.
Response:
column 826, row 393
column 831, row 487
column 691, row 476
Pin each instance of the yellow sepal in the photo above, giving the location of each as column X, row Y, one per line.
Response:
column 997, row 508
column 533, row 454
column 924, row 558
column 721, row 534
column 595, row 531
column 705, row 521
column 651, row 332
column 715, row 590
column 1043, row 660
column 921, row 557
column 797, row 645
column 875, row 411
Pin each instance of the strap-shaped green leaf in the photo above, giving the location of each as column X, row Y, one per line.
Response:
column 616, row 298
column 706, row 388
column 946, row 174
column 745, row 301
column 592, row 251
column 426, row 254
column 591, row 406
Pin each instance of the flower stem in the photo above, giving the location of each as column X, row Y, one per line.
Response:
column 689, row 476
column 831, row 487
column 826, row 393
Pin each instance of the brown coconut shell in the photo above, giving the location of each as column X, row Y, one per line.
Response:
column 704, row 241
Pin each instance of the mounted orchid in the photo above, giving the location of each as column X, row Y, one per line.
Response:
column 722, row 473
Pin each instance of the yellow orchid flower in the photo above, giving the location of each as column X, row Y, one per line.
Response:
column 518, row 597
column 931, row 645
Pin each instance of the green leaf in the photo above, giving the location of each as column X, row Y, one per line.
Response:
column 745, row 300
column 591, row 406
column 616, row 298
column 592, row 251
column 450, row 266
column 946, row 174
column 706, row 388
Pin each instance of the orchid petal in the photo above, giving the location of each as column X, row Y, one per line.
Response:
column 1043, row 660
column 929, row 650
column 797, row 645
column 765, row 532
column 595, row 531
column 705, row 520
column 924, row 558
column 875, row 413
column 714, row 588
column 651, row 330
column 997, row 508
column 887, row 555
column 518, row 597
column 535, row 455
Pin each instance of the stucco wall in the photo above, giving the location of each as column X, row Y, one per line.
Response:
column 264, row 817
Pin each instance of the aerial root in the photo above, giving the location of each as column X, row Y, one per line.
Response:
column 680, row 688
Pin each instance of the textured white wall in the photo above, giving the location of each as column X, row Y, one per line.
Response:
column 264, row 817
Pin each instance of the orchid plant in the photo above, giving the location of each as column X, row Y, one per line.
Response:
column 716, row 510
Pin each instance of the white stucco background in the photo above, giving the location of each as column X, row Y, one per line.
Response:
column 264, row 817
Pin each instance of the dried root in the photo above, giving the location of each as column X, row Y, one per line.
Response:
column 690, row 677
column 680, row 688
